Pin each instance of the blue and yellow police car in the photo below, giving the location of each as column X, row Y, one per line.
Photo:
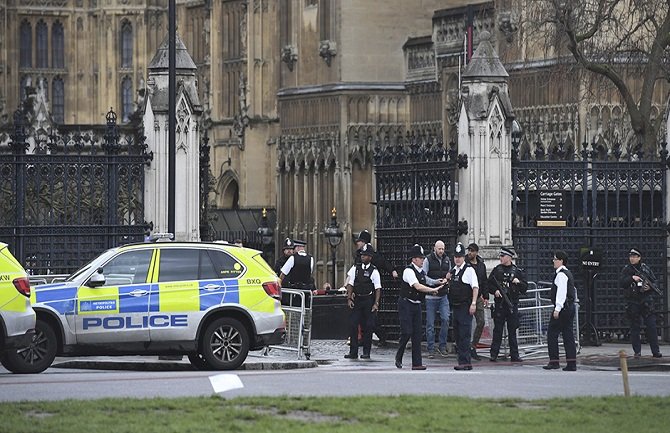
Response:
column 211, row 301
column 17, row 318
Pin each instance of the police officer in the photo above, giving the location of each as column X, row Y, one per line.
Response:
column 363, row 293
column 463, row 293
column 563, row 297
column 298, row 268
column 479, row 266
column 412, row 291
column 437, row 266
column 380, row 262
column 508, row 282
column 287, row 250
column 635, row 280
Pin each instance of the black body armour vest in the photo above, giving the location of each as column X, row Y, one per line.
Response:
column 459, row 292
column 363, row 285
column 571, row 292
column 409, row 292
column 300, row 275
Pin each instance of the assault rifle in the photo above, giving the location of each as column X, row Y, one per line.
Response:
column 647, row 283
column 504, row 287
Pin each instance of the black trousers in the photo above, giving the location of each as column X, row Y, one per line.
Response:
column 563, row 326
column 501, row 316
column 361, row 315
column 462, row 323
column 410, row 327
column 640, row 313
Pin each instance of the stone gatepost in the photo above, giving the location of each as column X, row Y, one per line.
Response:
column 187, row 143
column 484, row 135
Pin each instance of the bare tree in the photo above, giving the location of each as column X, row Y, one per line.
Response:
column 624, row 42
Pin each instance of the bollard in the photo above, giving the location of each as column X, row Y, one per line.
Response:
column 624, row 372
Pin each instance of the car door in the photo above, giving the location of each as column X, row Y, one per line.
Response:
column 118, row 311
column 174, row 310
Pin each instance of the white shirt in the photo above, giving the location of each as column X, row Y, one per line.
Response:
column 469, row 276
column 375, row 277
column 561, row 282
column 289, row 264
column 409, row 277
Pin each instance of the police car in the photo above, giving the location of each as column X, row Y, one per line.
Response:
column 17, row 318
column 213, row 302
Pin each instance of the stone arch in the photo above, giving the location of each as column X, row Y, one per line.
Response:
column 228, row 191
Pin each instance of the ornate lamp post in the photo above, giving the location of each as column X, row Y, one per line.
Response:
column 267, row 237
column 334, row 236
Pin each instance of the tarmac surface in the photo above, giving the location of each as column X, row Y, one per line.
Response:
column 330, row 354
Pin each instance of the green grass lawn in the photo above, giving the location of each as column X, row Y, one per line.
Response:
column 359, row 414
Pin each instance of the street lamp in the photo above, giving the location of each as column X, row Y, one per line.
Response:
column 267, row 237
column 334, row 236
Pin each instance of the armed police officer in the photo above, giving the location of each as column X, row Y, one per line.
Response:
column 363, row 294
column 437, row 266
column 463, row 293
column 507, row 282
column 413, row 289
column 287, row 251
column 638, row 283
column 378, row 259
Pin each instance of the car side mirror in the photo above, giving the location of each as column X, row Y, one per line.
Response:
column 97, row 279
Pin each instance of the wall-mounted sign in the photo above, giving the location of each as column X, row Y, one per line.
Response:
column 551, row 209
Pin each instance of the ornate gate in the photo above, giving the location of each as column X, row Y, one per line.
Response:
column 611, row 201
column 416, row 203
column 73, row 196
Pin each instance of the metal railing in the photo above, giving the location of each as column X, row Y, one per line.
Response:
column 535, row 311
column 297, row 306
column 36, row 280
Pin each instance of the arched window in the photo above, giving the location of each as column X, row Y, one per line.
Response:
column 126, row 99
column 26, row 55
column 57, row 46
column 126, row 44
column 58, row 100
column 42, row 45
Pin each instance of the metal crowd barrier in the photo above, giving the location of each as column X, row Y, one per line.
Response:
column 535, row 310
column 297, row 306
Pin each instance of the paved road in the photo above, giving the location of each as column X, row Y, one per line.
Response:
column 372, row 378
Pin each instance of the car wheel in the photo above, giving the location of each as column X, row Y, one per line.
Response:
column 198, row 361
column 36, row 357
column 225, row 344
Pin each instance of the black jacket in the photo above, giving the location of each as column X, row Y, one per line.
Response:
column 630, row 288
column 480, row 270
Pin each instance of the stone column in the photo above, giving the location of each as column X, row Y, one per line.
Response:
column 484, row 190
column 187, row 142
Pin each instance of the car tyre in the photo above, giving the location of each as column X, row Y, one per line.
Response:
column 225, row 344
column 198, row 361
column 36, row 357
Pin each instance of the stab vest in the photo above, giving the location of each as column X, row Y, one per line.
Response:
column 571, row 292
column 300, row 274
column 409, row 292
column 363, row 285
column 459, row 292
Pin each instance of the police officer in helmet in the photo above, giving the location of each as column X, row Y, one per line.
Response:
column 287, row 250
column 363, row 294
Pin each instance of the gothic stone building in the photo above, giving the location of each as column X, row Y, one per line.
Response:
column 295, row 93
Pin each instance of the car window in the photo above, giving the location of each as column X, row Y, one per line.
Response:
column 181, row 264
column 130, row 267
column 225, row 265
